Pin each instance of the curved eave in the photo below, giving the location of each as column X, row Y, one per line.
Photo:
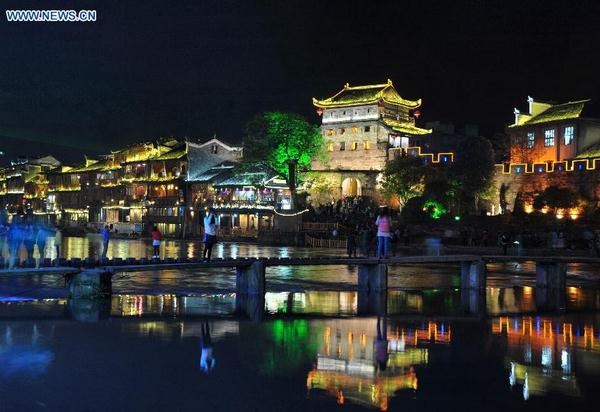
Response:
column 413, row 131
column 324, row 104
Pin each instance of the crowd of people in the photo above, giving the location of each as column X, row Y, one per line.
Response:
column 22, row 233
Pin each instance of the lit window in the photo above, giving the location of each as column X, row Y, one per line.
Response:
column 569, row 134
column 342, row 130
column 354, row 145
column 342, row 146
column 367, row 129
column 366, row 145
column 355, row 130
column 530, row 140
column 330, row 132
column 549, row 137
column 330, row 147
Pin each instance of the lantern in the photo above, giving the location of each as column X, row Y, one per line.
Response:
column 381, row 106
column 416, row 114
column 320, row 111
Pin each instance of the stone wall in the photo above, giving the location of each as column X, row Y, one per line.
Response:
column 585, row 182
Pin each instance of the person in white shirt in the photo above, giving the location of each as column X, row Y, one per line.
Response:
column 211, row 225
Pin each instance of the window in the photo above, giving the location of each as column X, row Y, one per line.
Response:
column 342, row 146
column 342, row 130
column 569, row 134
column 355, row 130
column 354, row 145
column 516, row 140
column 330, row 147
column 530, row 140
column 366, row 145
column 549, row 137
column 367, row 129
column 330, row 132
column 215, row 148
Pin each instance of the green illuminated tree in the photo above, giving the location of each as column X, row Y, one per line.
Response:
column 404, row 178
column 282, row 142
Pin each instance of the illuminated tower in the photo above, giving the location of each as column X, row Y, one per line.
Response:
column 360, row 125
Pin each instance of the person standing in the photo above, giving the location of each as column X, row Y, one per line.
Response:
column 384, row 233
column 29, row 240
column 105, row 240
column 351, row 245
column 14, row 239
column 211, row 224
column 57, row 242
column 156, row 238
column 41, row 239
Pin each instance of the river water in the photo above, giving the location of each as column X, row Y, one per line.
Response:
column 183, row 340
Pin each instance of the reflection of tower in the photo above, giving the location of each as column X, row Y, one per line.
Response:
column 345, row 365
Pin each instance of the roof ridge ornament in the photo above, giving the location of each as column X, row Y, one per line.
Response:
column 389, row 82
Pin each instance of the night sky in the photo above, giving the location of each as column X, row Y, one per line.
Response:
column 150, row 68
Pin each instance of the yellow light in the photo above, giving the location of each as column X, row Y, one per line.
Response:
column 528, row 208
column 545, row 209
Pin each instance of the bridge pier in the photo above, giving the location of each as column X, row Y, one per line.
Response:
column 372, row 277
column 473, row 301
column 551, row 275
column 473, row 274
column 252, row 306
column 90, row 284
column 250, row 279
column 372, row 303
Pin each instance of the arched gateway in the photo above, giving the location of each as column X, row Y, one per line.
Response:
column 351, row 187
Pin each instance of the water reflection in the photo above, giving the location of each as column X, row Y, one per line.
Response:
column 542, row 354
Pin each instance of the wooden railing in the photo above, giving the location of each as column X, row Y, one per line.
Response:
column 325, row 243
column 319, row 227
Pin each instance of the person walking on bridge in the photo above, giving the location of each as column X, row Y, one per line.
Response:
column 105, row 239
column 211, row 224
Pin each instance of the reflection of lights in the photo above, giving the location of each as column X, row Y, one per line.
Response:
column 547, row 356
column 565, row 361
column 526, row 387
column 512, row 378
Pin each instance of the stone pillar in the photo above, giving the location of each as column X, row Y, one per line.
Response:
column 250, row 279
column 473, row 274
column 372, row 277
column 473, row 301
column 374, row 303
column 551, row 275
column 252, row 306
column 550, row 299
column 90, row 284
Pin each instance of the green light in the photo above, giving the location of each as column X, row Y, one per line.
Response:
column 435, row 209
column 457, row 218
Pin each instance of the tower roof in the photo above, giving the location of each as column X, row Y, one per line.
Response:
column 553, row 113
column 369, row 94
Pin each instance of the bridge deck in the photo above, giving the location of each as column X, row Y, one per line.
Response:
column 136, row 265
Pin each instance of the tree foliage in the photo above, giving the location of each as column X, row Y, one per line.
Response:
column 404, row 178
column 555, row 197
column 274, row 139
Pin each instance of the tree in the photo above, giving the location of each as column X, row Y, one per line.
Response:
column 404, row 178
column 282, row 142
column 473, row 170
column 555, row 197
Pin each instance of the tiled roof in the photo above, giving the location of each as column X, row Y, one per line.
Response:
column 557, row 112
column 370, row 94
column 405, row 127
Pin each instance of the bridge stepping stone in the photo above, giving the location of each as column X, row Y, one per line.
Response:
column 104, row 261
column 131, row 261
column 156, row 260
column 89, row 262
column 169, row 260
column 75, row 262
column 62, row 262
column 182, row 260
column 145, row 261
column 117, row 261
column 45, row 262
column 29, row 263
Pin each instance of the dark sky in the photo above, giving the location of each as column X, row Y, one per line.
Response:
column 194, row 68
